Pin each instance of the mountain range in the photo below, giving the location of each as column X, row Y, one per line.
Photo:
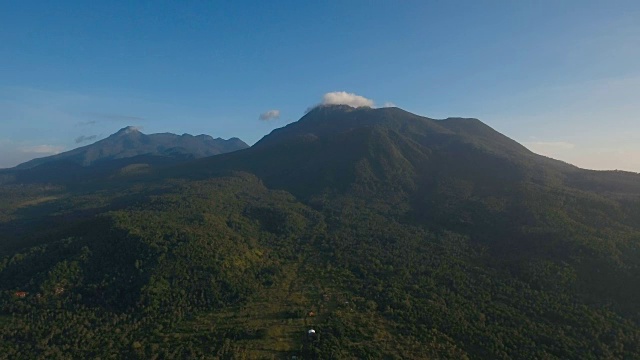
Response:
column 127, row 150
column 130, row 142
column 389, row 234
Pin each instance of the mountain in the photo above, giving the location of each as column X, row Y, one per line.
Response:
column 123, row 154
column 390, row 234
column 337, row 147
column 130, row 142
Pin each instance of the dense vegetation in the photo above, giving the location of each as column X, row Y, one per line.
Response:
column 397, row 250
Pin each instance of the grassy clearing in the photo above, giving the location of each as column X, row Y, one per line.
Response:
column 276, row 318
column 274, row 322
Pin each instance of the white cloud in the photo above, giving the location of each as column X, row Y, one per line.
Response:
column 42, row 149
column 270, row 115
column 345, row 98
column 389, row 104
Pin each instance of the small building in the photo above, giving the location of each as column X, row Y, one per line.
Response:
column 311, row 334
column 21, row 294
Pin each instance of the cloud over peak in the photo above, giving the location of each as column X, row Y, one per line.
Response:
column 345, row 98
column 270, row 115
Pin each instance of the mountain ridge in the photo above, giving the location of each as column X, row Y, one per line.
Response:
column 129, row 142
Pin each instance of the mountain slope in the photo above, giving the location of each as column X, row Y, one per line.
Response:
column 453, row 175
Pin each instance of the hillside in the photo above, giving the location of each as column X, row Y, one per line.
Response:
column 392, row 235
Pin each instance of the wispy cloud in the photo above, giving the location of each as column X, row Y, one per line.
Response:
column 270, row 115
column 90, row 122
column 389, row 104
column 84, row 138
column 42, row 149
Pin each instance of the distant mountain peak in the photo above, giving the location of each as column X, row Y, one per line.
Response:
column 128, row 130
column 334, row 108
column 129, row 142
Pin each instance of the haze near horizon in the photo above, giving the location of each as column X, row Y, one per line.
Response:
column 560, row 78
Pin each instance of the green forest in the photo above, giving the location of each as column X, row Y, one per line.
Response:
column 227, row 269
column 396, row 251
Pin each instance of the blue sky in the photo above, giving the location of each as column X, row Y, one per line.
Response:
column 562, row 77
